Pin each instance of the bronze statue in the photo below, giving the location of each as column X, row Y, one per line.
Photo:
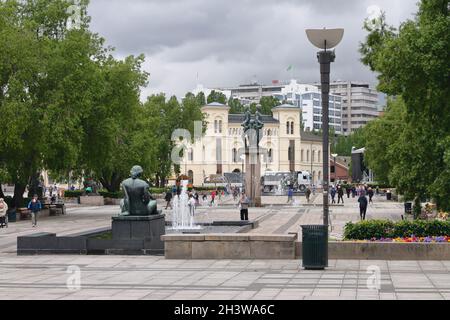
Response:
column 137, row 199
column 254, row 125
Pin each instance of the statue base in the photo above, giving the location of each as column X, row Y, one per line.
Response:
column 147, row 228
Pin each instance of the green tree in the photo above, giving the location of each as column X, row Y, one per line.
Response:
column 414, row 63
column 216, row 96
column 236, row 106
column 267, row 104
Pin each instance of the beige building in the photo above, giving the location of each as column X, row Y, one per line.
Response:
column 284, row 147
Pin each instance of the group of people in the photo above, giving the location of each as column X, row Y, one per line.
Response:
column 308, row 193
column 35, row 206
column 194, row 199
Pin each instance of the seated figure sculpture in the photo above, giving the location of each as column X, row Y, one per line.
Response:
column 137, row 199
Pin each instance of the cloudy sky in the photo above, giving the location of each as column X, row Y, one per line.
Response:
column 230, row 42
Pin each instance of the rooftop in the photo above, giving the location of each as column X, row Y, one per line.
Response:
column 239, row 118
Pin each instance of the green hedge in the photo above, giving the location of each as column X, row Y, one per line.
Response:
column 379, row 229
column 73, row 194
column 111, row 195
column 159, row 190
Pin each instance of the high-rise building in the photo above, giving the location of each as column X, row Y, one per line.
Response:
column 360, row 104
column 309, row 99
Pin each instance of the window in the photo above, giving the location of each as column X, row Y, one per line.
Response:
column 270, row 156
column 235, row 155
column 287, row 127
column 314, row 156
column 292, row 127
column 191, row 155
column 318, row 157
column 290, row 154
column 216, row 126
column 220, row 126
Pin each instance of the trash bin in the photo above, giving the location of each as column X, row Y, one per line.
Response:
column 12, row 215
column 315, row 247
column 408, row 207
column 389, row 196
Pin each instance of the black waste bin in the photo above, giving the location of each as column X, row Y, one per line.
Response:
column 389, row 196
column 315, row 247
column 12, row 215
column 408, row 207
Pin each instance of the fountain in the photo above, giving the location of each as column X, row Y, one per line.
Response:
column 182, row 218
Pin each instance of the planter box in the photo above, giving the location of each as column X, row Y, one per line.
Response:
column 112, row 202
column 385, row 251
column 229, row 246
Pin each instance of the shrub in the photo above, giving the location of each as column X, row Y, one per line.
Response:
column 378, row 229
column 159, row 190
column 111, row 195
column 73, row 194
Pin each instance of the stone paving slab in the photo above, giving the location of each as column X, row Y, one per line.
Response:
column 147, row 278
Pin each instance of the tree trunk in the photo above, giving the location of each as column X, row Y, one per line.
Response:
column 2, row 195
column 19, row 190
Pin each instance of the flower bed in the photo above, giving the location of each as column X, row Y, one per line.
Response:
column 411, row 239
column 389, row 230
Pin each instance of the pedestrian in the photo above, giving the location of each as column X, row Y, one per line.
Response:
column 197, row 199
column 3, row 213
column 191, row 204
column 168, row 199
column 35, row 206
column 308, row 194
column 213, row 198
column 340, row 195
column 314, row 189
column 244, row 203
column 362, row 207
column 333, row 195
column 370, row 193
column 353, row 192
column 349, row 191
column 290, row 195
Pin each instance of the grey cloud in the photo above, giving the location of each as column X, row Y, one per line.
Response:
column 228, row 42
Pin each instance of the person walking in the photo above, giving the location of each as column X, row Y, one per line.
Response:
column 349, row 191
column 314, row 189
column 370, row 193
column 333, row 195
column 363, row 206
column 308, row 195
column 191, row 204
column 340, row 195
column 35, row 206
column 3, row 213
column 213, row 198
column 290, row 195
column 168, row 199
column 244, row 203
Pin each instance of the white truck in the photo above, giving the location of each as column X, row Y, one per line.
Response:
column 280, row 182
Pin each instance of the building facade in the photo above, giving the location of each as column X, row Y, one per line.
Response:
column 308, row 98
column 360, row 104
column 284, row 147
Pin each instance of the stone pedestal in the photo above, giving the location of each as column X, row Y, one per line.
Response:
column 149, row 229
column 253, row 176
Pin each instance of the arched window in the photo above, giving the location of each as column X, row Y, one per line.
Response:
column 292, row 127
column 319, row 178
column 235, row 155
column 288, row 127
column 216, row 126
column 220, row 126
column 314, row 155
column 269, row 132
column 270, row 156
column 191, row 176
column 191, row 155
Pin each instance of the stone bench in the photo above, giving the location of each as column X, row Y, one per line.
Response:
column 229, row 246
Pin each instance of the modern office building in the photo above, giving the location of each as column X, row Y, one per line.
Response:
column 252, row 93
column 309, row 99
column 360, row 104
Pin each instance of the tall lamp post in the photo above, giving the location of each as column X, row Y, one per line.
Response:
column 325, row 39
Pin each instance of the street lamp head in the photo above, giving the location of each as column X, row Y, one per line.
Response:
column 334, row 155
column 325, row 38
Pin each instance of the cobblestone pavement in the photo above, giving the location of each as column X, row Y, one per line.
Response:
column 107, row 277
